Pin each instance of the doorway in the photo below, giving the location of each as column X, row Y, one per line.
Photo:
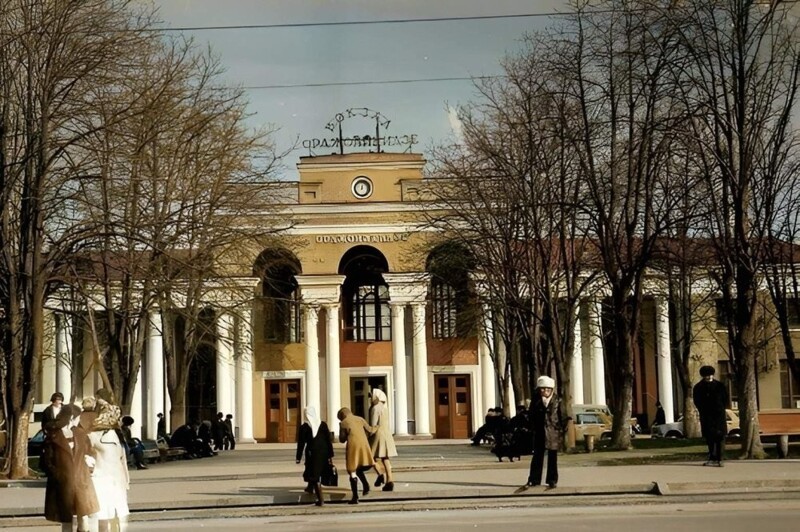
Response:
column 283, row 410
column 453, row 413
column 360, row 387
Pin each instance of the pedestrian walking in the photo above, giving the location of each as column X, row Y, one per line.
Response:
column 353, row 430
column 314, row 443
column 67, row 459
column 382, row 442
column 711, row 399
column 110, row 476
column 230, row 439
column 547, row 425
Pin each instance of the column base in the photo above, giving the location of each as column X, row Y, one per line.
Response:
column 421, row 436
column 245, row 440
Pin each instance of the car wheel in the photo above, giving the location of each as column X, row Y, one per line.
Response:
column 673, row 434
column 735, row 433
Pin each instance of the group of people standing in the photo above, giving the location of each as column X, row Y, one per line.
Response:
column 86, row 464
column 368, row 445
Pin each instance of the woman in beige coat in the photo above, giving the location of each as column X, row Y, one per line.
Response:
column 353, row 431
column 382, row 442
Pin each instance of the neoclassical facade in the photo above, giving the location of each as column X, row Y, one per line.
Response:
column 360, row 294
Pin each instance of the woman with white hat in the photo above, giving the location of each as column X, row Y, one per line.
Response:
column 547, row 426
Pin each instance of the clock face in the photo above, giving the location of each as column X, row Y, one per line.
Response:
column 362, row 187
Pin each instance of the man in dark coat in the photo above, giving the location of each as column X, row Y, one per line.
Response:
column 230, row 439
column 218, row 430
column 711, row 399
column 548, row 430
column 161, row 430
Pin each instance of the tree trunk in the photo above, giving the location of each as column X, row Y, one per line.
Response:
column 691, row 418
column 18, row 439
column 752, row 448
column 177, row 412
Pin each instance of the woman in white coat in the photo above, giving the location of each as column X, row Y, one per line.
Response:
column 110, row 475
column 382, row 442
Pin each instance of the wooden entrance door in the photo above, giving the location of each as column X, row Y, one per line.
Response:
column 453, row 399
column 360, row 388
column 283, row 410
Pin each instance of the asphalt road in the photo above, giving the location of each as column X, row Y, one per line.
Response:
column 733, row 516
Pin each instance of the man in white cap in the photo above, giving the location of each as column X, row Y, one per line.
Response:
column 547, row 425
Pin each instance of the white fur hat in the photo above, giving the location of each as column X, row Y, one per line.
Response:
column 545, row 382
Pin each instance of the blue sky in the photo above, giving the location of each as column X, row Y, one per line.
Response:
column 353, row 53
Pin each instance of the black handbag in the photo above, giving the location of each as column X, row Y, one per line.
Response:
column 330, row 476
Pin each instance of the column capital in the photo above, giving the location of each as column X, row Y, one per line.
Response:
column 320, row 289
column 407, row 287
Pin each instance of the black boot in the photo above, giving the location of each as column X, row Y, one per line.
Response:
column 364, row 482
column 354, row 489
column 389, row 486
column 309, row 488
column 318, row 493
column 379, row 481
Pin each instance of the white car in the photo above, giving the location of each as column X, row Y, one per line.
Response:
column 675, row 430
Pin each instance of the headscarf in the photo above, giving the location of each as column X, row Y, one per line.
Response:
column 377, row 394
column 312, row 418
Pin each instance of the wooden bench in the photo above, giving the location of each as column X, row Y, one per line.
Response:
column 780, row 424
column 169, row 453
column 151, row 452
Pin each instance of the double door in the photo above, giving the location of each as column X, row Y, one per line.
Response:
column 453, row 413
column 284, row 412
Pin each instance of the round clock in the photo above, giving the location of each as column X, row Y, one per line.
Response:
column 362, row 187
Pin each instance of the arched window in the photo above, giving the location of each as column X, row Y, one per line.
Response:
column 365, row 295
column 280, row 296
column 451, row 315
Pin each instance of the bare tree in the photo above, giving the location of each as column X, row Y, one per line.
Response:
column 51, row 56
column 617, row 56
column 738, row 82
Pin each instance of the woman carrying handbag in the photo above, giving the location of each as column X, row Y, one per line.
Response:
column 314, row 440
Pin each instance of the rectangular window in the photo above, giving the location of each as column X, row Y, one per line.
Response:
column 444, row 311
column 283, row 319
column 370, row 315
column 790, row 388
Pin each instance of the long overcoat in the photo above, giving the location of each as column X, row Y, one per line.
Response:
column 69, row 484
column 711, row 400
column 110, row 475
column 317, row 448
column 353, row 430
column 382, row 442
column 547, row 423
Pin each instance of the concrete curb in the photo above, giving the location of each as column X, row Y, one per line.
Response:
column 341, row 494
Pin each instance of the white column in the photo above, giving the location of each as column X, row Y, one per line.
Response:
column 664, row 354
column 421, row 409
column 596, row 361
column 332, row 367
column 576, row 370
column 488, row 374
column 312, row 357
column 64, row 356
column 155, row 375
column 136, row 406
column 399, row 368
column 167, row 409
column 244, row 380
column 225, row 368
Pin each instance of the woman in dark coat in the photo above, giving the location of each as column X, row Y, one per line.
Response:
column 314, row 438
column 711, row 399
column 548, row 430
column 67, row 458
